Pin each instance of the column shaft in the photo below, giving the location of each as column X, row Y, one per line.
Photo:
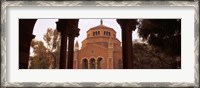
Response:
column 63, row 51
column 127, row 48
column 70, row 53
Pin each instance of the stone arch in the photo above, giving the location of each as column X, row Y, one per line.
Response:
column 25, row 36
column 84, row 63
column 98, row 32
column 92, row 63
column 99, row 63
column 26, row 27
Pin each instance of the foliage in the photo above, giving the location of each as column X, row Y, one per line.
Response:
column 39, row 60
column 52, row 39
column 148, row 57
column 46, row 54
column 164, row 34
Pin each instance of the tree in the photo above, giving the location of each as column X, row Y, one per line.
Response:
column 164, row 34
column 47, row 52
column 52, row 40
column 40, row 57
column 147, row 57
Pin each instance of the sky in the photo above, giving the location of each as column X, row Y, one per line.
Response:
column 84, row 25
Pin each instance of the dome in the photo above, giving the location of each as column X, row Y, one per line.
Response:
column 102, row 27
column 101, row 31
column 101, row 35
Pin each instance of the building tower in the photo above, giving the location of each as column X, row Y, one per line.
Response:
column 76, row 47
column 76, row 52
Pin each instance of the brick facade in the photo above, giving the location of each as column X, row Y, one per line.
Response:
column 100, row 50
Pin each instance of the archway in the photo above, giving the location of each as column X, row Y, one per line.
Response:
column 92, row 63
column 25, row 37
column 85, row 63
column 67, row 28
column 99, row 63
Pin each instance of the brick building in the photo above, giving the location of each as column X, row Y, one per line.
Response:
column 100, row 50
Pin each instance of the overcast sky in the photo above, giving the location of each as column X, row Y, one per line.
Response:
column 84, row 24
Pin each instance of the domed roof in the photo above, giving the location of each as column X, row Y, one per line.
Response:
column 101, row 26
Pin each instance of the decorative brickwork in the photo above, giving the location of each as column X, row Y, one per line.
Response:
column 100, row 50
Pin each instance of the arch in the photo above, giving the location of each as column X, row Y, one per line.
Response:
column 93, row 33
column 98, row 32
column 26, row 27
column 25, row 37
column 24, row 41
column 84, row 63
column 99, row 63
column 92, row 63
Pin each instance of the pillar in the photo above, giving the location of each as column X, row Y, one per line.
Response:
column 127, row 48
column 70, row 52
column 88, row 64
column 73, row 31
column 63, row 51
column 62, row 28
column 127, row 26
column 25, row 37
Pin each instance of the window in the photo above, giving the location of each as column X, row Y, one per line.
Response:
column 99, row 63
column 85, row 64
column 92, row 63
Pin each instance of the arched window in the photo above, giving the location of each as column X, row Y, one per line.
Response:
column 92, row 63
column 99, row 63
column 85, row 64
column 104, row 33
column 108, row 33
column 98, row 32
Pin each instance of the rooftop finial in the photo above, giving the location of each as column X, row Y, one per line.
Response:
column 101, row 22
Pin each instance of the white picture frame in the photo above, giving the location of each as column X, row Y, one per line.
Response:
column 72, row 4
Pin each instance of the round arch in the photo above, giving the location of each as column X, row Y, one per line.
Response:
column 26, row 36
column 84, row 63
column 100, row 62
column 92, row 63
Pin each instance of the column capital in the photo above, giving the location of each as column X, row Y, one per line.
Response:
column 127, row 24
column 68, row 27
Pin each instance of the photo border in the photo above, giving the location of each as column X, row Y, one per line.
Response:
column 5, row 4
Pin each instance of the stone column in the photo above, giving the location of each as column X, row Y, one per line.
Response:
column 72, row 24
column 68, row 28
column 96, row 64
column 127, row 48
column 88, row 64
column 63, row 51
column 25, row 37
column 62, row 28
column 127, row 26
column 70, row 52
